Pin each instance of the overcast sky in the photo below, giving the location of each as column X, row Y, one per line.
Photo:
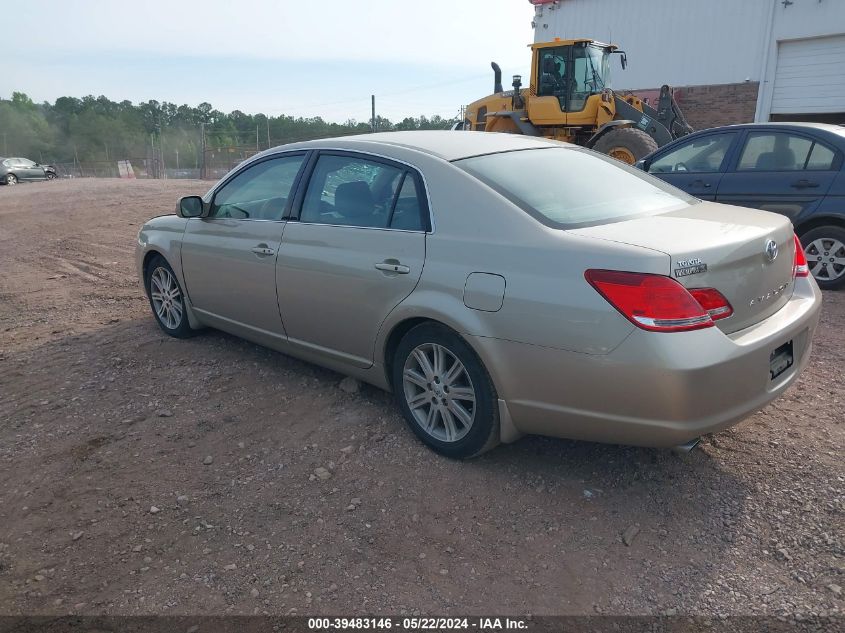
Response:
column 310, row 58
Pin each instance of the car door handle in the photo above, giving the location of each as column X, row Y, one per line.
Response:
column 393, row 268
column 804, row 184
column 263, row 249
column 700, row 183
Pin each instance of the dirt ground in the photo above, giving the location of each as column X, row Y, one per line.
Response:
column 141, row 474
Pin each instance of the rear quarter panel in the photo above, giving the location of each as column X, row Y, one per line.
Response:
column 547, row 300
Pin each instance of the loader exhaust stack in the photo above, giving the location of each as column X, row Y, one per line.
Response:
column 497, row 77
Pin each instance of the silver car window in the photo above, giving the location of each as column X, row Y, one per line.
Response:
column 351, row 191
column 568, row 187
column 260, row 192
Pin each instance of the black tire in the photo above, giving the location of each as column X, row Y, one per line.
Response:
column 815, row 242
column 627, row 144
column 482, row 433
column 176, row 328
column 11, row 179
column 50, row 175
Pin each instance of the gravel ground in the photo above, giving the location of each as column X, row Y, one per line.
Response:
column 145, row 475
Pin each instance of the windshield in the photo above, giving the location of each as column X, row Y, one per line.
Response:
column 570, row 187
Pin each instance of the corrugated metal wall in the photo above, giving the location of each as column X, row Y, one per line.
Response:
column 679, row 42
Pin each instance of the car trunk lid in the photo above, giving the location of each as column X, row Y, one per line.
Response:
column 718, row 246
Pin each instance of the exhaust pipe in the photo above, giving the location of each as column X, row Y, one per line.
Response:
column 497, row 77
column 686, row 447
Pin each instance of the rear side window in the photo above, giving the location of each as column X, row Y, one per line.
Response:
column 774, row 151
column 347, row 190
column 568, row 188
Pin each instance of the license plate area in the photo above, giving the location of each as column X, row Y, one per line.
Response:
column 780, row 360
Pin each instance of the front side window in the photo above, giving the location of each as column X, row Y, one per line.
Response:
column 701, row 155
column 353, row 191
column 260, row 192
column 774, row 151
column 567, row 188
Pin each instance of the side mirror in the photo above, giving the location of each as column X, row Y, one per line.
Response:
column 190, row 207
column 622, row 57
column 642, row 164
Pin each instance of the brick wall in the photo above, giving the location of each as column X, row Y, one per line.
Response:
column 713, row 105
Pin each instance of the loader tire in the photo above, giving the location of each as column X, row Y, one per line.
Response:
column 627, row 144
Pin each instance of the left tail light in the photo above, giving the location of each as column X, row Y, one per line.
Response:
column 658, row 303
column 800, row 267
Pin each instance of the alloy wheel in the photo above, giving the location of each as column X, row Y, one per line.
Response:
column 166, row 297
column 11, row 179
column 826, row 258
column 439, row 392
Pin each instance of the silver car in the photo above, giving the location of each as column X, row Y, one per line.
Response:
column 497, row 284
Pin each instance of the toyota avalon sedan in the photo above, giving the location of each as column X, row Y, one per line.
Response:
column 497, row 284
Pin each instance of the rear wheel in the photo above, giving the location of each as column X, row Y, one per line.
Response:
column 627, row 144
column 824, row 247
column 11, row 179
column 445, row 393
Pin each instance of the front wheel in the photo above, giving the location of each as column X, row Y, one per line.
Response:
column 627, row 144
column 445, row 393
column 824, row 247
column 166, row 298
column 50, row 175
column 11, row 179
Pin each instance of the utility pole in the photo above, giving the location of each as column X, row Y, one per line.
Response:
column 202, row 150
column 373, row 120
column 177, row 159
column 256, row 138
column 268, row 132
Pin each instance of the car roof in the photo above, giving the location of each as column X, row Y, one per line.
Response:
column 446, row 144
column 834, row 128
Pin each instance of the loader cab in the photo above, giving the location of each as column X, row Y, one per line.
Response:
column 566, row 74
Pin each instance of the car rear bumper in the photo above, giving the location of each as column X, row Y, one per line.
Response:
column 654, row 389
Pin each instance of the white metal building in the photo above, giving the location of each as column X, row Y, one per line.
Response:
column 752, row 59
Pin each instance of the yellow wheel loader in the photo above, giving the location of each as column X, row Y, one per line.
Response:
column 569, row 99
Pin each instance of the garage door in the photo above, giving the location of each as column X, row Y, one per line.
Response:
column 809, row 78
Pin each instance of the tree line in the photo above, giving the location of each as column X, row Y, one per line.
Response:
column 97, row 129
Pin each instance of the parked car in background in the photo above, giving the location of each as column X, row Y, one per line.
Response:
column 15, row 170
column 497, row 284
column 795, row 169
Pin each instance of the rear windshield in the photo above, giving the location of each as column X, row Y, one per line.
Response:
column 569, row 187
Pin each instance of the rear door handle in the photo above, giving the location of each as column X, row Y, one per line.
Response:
column 264, row 250
column 804, row 184
column 393, row 268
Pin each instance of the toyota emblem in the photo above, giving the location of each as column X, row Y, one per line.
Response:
column 771, row 250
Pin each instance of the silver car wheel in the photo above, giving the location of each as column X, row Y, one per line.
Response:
column 826, row 258
column 11, row 179
column 166, row 298
column 439, row 392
